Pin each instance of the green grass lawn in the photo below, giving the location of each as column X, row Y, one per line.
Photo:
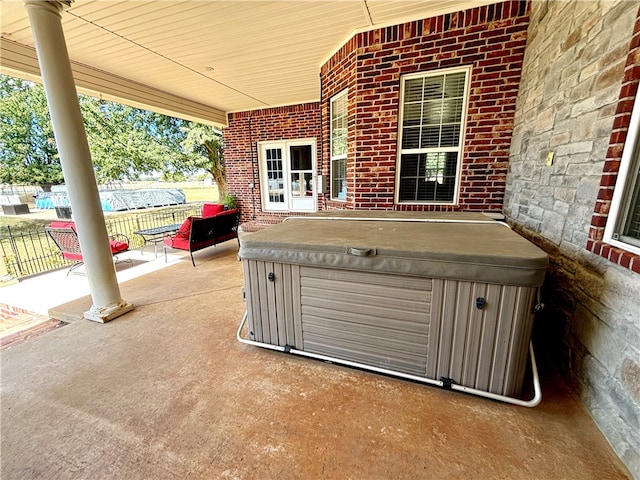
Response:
column 20, row 223
column 202, row 194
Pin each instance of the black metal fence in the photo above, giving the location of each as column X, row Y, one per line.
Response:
column 31, row 252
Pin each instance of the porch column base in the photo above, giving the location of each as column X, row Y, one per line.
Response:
column 104, row 314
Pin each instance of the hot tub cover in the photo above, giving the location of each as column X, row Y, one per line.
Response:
column 466, row 246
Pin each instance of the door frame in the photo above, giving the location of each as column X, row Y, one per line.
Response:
column 286, row 206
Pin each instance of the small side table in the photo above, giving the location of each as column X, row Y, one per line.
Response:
column 155, row 235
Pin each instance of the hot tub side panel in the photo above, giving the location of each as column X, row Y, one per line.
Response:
column 484, row 348
column 273, row 302
column 370, row 318
column 420, row 326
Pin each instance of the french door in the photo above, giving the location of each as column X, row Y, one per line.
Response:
column 288, row 175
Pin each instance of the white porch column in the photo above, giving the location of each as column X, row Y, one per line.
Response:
column 68, row 127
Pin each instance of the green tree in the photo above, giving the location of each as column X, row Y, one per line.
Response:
column 206, row 145
column 125, row 142
column 28, row 152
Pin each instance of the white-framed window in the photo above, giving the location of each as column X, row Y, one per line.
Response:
column 339, row 146
column 288, row 175
column 623, row 223
column 433, row 110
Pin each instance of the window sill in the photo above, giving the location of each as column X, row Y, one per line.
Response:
column 444, row 204
column 619, row 256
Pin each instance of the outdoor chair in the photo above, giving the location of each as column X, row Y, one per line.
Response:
column 65, row 238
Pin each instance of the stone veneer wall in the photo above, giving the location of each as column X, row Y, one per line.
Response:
column 571, row 82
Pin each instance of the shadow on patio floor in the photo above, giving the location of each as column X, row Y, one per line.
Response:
column 166, row 391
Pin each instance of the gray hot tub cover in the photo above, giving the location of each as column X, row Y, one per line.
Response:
column 486, row 251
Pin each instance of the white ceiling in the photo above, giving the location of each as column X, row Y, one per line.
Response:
column 206, row 58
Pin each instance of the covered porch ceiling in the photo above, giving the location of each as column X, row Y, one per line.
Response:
column 201, row 59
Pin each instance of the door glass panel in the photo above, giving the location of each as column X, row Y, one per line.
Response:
column 300, row 157
column 301, row 185
column 301, row 171
column 275, row 175
column 296, row 185
column 308, row 185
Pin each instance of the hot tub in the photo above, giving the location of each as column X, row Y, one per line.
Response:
column 443, row 298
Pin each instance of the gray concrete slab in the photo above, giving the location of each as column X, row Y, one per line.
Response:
column 38, row 293
column 166, row 392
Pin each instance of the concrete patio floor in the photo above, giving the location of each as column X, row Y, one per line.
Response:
column 167, row 392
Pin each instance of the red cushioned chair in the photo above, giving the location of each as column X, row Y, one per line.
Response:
column 65, row 238
column 211, row 209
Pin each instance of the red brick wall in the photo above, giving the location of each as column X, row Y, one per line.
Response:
column 490, row 38
column 241, row 153
column 618, row 137
column 343, row 66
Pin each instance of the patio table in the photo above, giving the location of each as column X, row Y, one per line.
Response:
column 155, row 235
